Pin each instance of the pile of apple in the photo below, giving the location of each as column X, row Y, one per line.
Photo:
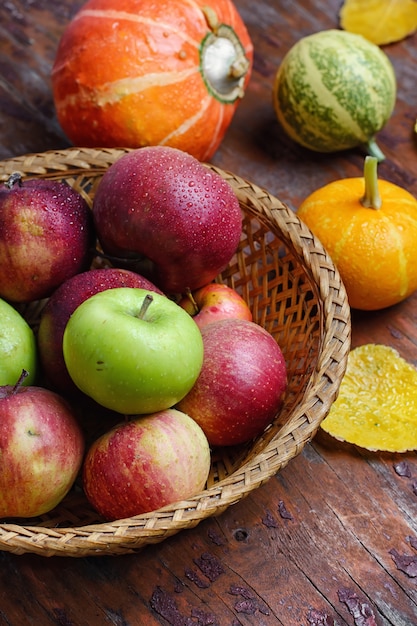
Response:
column 148, row 337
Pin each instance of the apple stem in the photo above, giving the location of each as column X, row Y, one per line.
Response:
column 145, row 306
column 20, row 381
column 15, row 177
column 192, row 300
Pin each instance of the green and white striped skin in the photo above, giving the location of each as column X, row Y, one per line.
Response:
column 333, row 91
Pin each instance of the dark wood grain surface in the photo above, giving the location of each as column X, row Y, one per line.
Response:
column 332, row 539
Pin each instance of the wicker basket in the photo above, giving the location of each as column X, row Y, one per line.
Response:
column 294, row 291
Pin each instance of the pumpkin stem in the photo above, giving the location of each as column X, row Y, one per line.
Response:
column 223, row 62
column 373, row 149
column 211, row 17
column 371, row 198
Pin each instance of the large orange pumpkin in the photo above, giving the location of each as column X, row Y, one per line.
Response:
column 138, row 72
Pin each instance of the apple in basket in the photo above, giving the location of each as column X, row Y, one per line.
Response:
column 132, row 350
column 59, row 308
column 18, row 349
column 146, row 463
column 241, row 384
column 215, row 302
column 46, row 236
column 42, row 449
column 178, row 221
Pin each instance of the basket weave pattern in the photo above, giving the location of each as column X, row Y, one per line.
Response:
column 294, row 292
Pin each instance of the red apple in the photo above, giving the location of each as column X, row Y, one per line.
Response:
column 240, row 387
column 146, row 463
column 163, row 207
column 59, row 308
column 41, row 448
column 215, row 302
column 46, row 236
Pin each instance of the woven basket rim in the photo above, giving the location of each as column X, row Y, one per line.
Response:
column 131, row 534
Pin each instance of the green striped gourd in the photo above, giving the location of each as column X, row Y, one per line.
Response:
column 334, row 90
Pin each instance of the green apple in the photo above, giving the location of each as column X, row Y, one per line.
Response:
column 133, row 351
column 18, row 349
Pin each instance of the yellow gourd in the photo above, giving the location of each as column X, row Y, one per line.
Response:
column 369, row 228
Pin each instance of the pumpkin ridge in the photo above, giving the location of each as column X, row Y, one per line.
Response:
column 403, row 280
column 411, row 221
column 126, row 87
column 400, row 282
column 131, row 17
column 216, row 133
column 188, row 123
column 346, row 232
column 409, row 203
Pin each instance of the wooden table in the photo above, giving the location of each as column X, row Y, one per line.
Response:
column 330, row 540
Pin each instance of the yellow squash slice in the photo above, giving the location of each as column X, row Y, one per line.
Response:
column 380, row 21
column 377, row 404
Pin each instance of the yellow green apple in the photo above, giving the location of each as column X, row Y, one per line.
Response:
column 42, row 448
column 145, row 463
column 214, row 302
column 18, row 350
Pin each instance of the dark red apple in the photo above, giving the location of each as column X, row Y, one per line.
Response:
column 41, row 447
column 46, row 236
column 161, row 207
column 215, row 302
column 146, row 463
column 241, row 384
column 60, row 306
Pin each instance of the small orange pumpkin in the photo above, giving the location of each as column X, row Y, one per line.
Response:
column 138, row 72
column 369, row 228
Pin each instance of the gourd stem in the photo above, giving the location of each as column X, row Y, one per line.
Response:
column 373, row 149
column 371, row 198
